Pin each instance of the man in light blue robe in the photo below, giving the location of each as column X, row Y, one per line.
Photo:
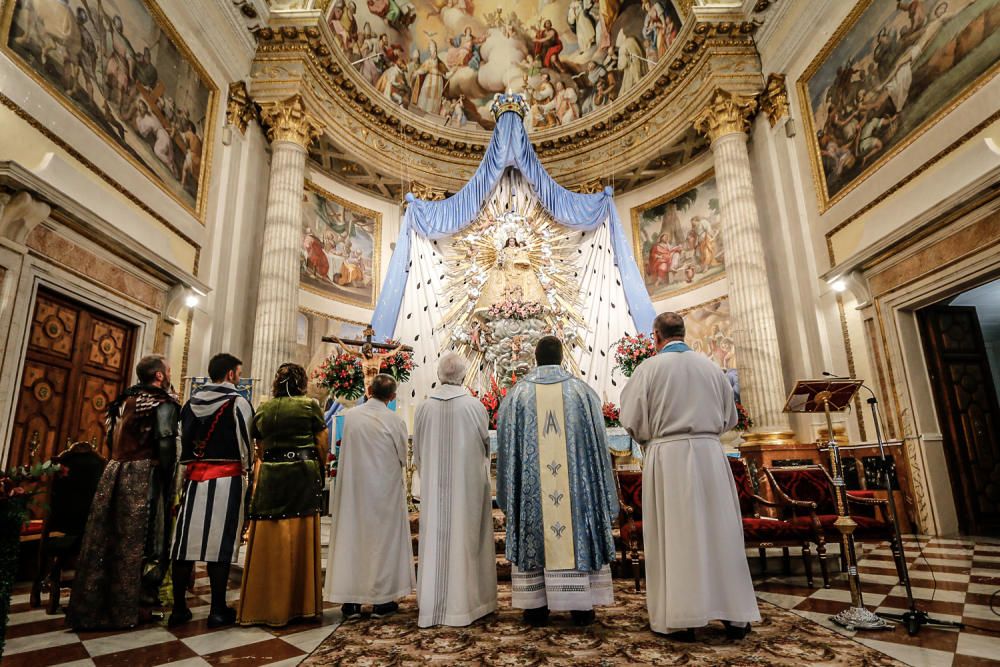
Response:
column 555, row 486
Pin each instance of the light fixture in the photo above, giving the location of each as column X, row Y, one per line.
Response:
column 838, row 285
column 191, row 300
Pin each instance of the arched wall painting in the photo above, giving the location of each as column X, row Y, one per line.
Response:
column 890, row 71
column 709, row 331
column 445, row 59
column 339, row 256
column 678, row 240
column 122, row 69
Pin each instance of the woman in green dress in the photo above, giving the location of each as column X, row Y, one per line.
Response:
column 281, row 577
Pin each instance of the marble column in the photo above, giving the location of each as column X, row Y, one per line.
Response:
column 290, row 128
column 725, row 121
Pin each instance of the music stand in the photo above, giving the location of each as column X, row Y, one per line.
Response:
column 829, row 396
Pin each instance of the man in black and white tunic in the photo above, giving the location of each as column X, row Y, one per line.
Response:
column 218, row 457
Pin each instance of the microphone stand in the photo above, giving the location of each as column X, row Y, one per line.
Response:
column 914, row 618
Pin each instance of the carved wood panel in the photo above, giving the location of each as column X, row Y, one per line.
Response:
column 968, row 411
column 78, row 360
column 53, row 329
column 41, row 407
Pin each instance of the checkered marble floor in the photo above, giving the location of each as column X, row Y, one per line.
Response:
column 952, row 579
column 967, row 573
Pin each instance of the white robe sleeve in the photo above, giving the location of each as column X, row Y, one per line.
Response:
column 635, row 407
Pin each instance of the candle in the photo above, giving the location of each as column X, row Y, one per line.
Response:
column 409, row 417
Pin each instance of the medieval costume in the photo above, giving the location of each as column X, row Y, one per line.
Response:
column 124, row 554
column 555, row 486
column 457, row 578
column 281, row 577
column 371, row 554
column 677, row 404
column 218, row 455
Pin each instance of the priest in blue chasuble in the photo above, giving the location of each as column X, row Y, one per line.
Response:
column 555, row 486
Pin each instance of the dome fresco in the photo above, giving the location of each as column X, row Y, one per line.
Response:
column 444, row 60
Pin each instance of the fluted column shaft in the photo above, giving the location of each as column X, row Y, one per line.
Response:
column 755, row 336
column 290, row 130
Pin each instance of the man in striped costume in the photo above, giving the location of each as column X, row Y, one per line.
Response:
column 218, row 457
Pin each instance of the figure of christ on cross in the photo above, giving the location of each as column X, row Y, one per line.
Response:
column 371, row 361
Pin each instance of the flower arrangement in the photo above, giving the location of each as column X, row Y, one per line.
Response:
column 398, row 365
column 630, row 351
column 611, row 415
column 491, row 400
column 18, row 487
column 745, row 422
column 342, row 375
column 515, row 309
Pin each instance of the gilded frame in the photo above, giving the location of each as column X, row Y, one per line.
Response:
column 310, row 186
column 637, row 211
column 211, row 109
column 824, row 200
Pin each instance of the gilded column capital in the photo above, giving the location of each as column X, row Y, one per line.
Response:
column 774, row 99
column 240, row 109
column 288, row 120
column 727, row 113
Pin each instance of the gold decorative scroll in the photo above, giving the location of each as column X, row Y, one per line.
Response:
column 774, row 99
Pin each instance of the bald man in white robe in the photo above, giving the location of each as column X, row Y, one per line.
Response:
column 457, row 569
column 677, row 404
column 371, row 554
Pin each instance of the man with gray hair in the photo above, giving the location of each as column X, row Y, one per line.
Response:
column 677, row 404
column 457, row 575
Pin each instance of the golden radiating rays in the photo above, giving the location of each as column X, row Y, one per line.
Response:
column 470, row 256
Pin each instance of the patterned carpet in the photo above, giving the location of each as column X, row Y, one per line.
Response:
column 621, row 636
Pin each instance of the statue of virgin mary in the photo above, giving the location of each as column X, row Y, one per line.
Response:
column 512, row 277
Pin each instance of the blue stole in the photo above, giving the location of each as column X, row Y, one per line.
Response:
column 678, row 346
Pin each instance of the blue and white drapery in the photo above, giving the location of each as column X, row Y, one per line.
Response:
column 612, row 288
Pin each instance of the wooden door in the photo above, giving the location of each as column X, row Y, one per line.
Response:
column 966, row 402
column 78, row 360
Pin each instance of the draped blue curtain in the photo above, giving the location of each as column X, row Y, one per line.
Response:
column 509, row 147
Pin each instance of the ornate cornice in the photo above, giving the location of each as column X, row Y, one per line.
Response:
column 288, row 120
column 727, row 113
column 774, row 99
column 240, row 109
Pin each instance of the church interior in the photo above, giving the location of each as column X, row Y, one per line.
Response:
column 361, row 187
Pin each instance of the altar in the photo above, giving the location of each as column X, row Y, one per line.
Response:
column 509, row 258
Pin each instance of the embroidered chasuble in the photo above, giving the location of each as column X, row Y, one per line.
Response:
column 554, row 480
column 554, row 474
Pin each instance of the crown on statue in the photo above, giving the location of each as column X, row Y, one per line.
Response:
column 508, row 102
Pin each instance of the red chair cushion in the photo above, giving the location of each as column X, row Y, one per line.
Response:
column 774, row 530
column 33, row 527
column 867, row 527
column 627, row 533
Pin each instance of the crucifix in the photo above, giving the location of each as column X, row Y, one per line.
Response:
column 371, row 361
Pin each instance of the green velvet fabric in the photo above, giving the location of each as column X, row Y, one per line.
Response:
column 288, row 489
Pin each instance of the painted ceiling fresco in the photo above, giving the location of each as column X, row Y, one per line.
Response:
column 445, row 59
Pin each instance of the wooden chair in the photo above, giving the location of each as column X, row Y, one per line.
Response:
column 765, row 532
column 813, row 484
column 630, row 519
column 62, row 532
